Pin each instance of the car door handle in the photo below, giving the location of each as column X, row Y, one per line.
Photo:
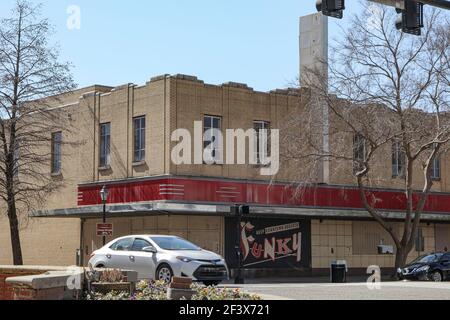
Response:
column 132, row 258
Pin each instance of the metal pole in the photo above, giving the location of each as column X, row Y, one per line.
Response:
column 104, row 221
column 443, row 4
column 239, row 279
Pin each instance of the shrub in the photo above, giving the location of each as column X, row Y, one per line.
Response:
column 215, row 293
column 157, row 290
column 112, row 276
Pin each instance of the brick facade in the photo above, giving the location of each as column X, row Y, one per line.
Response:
column 169, row 103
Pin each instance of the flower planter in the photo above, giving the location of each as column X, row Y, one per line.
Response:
column 105, row 288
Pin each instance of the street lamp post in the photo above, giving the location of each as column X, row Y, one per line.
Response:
column 104, row 196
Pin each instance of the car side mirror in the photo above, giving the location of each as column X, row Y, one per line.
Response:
column 150, row 249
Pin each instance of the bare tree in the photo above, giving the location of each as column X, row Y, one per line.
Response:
column 386, row 92
column 29, row 74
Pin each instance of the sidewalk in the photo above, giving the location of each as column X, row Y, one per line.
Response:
column 310, row 280
column 399, row 290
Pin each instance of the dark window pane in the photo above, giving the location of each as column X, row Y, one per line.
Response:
column 210, row 140
column 105, row 144
column 56, row 152
column 262, row 145
column 123, row 245
column 140, row 244
column 216, row 123
column 207, row 122
column 139, row 139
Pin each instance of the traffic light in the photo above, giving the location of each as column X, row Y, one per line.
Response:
column 240, row 210
column 244, row 210
column 410, row 19
column 331, row 8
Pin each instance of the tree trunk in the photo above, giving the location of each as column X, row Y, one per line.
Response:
column 15, row 236
column 401, row 257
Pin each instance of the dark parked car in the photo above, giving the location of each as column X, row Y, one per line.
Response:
column 432, row 267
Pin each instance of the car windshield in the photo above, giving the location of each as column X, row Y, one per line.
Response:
column 172, row 243
column 429, row 258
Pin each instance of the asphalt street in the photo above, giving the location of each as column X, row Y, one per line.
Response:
column 351, row 291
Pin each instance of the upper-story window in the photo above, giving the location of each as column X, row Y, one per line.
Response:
column 105, row 144
column 398, row 160
column 56, row 152
column 436, row 168
column 139, row 139
column 211, row 141
column 262, row 145
column 359, row 152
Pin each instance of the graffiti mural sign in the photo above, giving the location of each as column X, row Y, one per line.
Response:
column 270, row 243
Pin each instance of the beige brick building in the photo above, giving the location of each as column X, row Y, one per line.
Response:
column 123, row 141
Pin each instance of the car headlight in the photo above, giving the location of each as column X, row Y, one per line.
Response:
column 184, row 259
column 423, row 269
column 399, row 270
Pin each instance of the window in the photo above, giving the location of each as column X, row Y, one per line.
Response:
column 359, row 152
column 211, row 140
column 140, row 244
column 398, row 160
column 262, row 148
column 105, row 144
column 174, row 243
column 446, row 257
column 56, row 152
column 139, row 139
column 122, row 245
column 436, row 168
column 432, row 258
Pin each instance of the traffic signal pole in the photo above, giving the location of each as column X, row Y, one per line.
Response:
column 443, row 4
column 238, row 279
column 411, row 11
column 239, row 211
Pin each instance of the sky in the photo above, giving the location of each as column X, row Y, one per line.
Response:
column 122, row 41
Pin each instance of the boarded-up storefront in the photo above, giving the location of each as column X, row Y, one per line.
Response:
column 442, row 237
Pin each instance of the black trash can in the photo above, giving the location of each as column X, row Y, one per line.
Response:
column 339, row 272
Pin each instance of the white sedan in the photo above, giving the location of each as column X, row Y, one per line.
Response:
column 161, row 258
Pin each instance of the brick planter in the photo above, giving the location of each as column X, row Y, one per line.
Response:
column 7, row 290
column 180, row 288
column 27, row 293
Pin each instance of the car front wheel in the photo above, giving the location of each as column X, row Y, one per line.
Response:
column 164, row 273
column 436, row 276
